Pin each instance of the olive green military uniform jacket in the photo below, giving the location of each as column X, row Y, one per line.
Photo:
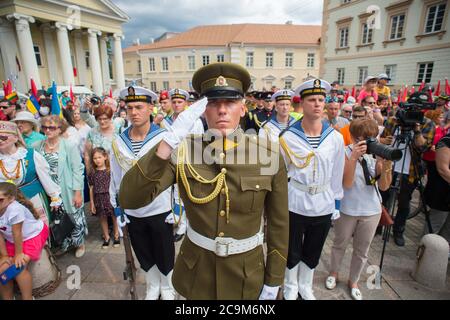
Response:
column 199, row 273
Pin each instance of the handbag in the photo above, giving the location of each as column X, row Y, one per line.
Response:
column 61, row 226
column 385, row 219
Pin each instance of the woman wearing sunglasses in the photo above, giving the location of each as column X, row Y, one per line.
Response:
column 66, row 170
column 27, row 169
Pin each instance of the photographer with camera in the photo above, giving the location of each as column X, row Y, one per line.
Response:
column 361, row 206
column 408, row 124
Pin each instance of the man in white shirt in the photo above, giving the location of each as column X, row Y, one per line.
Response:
column 314, row 153
column 151, row 236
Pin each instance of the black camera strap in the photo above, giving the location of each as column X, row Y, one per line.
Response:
column 370, row 181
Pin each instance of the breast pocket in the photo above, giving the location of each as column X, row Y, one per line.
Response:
column 197, row 188
column 254, row 191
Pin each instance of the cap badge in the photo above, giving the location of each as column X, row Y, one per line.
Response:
column 131, row 91
column 221, row 82
column 317, row 83
column 176, row 91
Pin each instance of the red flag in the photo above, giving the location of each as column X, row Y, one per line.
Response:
column 412, row 90
column 34, row 89
column 437, row 92
column 405, row 94
column 422, row 85
column 430, row 95
column 72, row 97
column 74, row 71
column 9, row 87
column 110, row 92
column 353, row 92
column 5, row 89
column 447, row 87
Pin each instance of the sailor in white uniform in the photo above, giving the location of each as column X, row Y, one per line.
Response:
column 314, row 154
column 281, row 119
column 179, row 100
column 151, row 236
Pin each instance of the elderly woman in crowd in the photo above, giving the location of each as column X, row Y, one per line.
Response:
column 66, row 170
column 27, row 169
column 361, row 206
column 28, row 126
column 102, row 135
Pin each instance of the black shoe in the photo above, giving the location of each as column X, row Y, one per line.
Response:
column 105, row 244
column 116, row 242
column 399, row 240
column 177, row 237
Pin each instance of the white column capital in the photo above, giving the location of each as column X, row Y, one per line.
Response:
column 118, row 36
column 94, row 32
column 63, row 26
column 46, row 27
column 21, row 18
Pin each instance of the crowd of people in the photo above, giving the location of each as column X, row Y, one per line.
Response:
column 113, row 153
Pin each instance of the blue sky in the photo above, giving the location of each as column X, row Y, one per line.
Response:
column 151, row 18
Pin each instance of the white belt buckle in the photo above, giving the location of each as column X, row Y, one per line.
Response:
column 222, row 246
column 312, row 190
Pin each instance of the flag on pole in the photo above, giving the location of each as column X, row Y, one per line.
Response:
column 353, row 92
column 422, row 85
column 405, row 94
column 411, row 92
column 110, row 93
column 9, row 87
column 56, row 104
column 5, row 88
column 33, row 106
column 437, row 92
column 447, row 87
column 34, row 90
column 12, row 97
column 430, row 95
column 72, row 97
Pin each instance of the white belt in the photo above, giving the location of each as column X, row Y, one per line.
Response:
column 312, row 190
column 223, row 247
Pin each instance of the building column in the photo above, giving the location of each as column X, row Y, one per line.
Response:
column 105, row 64
column 26, row 46
column 94, row 61
column 47, row 34
column 80, row 57
column 9, row 51
column 118, row 61
column 64, row 52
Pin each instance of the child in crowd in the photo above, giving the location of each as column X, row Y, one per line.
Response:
column 99, row 179
column 369, row 89
column 22, row 238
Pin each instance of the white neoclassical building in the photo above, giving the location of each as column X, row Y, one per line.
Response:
column 407, row 39
column 71, row 42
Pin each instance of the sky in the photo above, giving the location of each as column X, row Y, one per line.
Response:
column 151, row 18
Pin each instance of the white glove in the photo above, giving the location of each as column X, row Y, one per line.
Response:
column 184, row 123
column 336, row 215
column 269, row 293
column 121, row 223
column 56, row 203
column 170, row 219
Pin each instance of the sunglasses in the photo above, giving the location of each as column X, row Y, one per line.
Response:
column 51, row 128
column 371, row 103
column 356, row 117
column 4, row 138
column 4, row 107
column 348, row 111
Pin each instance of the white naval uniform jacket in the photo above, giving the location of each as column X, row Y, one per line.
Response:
column 330, row 159
column 270, row 129
column 123, row 159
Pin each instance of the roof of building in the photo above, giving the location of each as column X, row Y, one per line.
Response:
column 222, row 35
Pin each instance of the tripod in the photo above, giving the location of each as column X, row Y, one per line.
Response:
column 404, row 138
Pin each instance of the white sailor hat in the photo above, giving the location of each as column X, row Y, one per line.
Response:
column 179, row 94
column 283, row 95
column 312, row 87
column 135, row 94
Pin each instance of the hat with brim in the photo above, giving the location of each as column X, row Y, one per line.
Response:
column 383, row 76
column 444, row 97
column 25, row 116
column 370, row 78
column 221, row 80
column 8, row 127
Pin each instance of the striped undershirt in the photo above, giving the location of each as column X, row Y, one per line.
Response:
column 313, row 141
column 283, row 126
column 136, row 145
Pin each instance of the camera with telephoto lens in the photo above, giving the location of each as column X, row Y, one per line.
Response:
column 412, row 112
column 382, row 150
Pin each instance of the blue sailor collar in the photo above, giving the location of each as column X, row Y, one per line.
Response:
column 169, row 119
column 153, row 132
column 297, row 129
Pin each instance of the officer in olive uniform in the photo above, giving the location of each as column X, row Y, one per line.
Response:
column 224, row 194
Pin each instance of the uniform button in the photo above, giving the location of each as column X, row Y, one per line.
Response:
column 222, row 155
column 221, row 234
column 257, row 186
column 222, row 213
column 224, row 170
